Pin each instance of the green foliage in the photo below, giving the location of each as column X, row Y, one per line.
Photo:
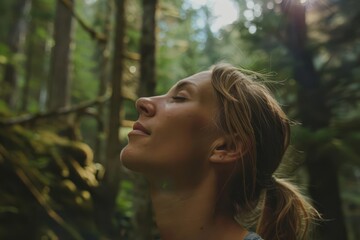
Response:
column 84, row 66
column 179, row 51
column 7, row 15
column 124, row 199
column 4, row 53
column 4, row 109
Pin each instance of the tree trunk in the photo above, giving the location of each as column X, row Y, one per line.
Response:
column 147, row 49
column 59, row 82
column 210, row 46
column 28, row 74
column 144, row 223
column 314, row 114
column 103, row 48
column 105, row 196
column 16, row 38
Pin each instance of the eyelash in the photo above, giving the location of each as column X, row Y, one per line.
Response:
column 178, row 98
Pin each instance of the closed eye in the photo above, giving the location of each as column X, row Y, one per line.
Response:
column 178, row 98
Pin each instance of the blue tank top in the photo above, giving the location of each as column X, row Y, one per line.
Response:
column 252, row 236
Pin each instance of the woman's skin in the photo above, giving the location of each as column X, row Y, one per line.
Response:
column 187, row 161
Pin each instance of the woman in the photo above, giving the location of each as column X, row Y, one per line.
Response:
column 209, row 148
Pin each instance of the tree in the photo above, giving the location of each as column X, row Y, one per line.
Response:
column 314, row 114
column 105, row 196
column 143, row 216
column 59, row 82
column 147, row 49
column 17, row 33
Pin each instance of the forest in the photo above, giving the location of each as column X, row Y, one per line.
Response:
column 71, row 71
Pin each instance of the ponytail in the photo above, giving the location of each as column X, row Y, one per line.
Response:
column 286, row 213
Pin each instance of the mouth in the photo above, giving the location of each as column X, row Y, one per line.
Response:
column 138, row 128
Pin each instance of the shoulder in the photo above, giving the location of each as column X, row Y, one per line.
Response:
column 252, row 236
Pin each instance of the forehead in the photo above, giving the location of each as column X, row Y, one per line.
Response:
column 205, row 90
column 200, row 79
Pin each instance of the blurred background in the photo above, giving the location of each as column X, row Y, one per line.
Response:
column 70, row 71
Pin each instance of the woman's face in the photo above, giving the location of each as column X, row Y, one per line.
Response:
column 175, row 132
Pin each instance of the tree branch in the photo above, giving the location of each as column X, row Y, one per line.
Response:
column 99, row 37
column 61, row 111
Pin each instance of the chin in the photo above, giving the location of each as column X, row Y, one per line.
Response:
column 124, row 157
column 136, row 161
column 129, row 160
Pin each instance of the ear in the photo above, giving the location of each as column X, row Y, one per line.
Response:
column 224, row 151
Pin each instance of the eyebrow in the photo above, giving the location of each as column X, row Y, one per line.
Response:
column 183, row 84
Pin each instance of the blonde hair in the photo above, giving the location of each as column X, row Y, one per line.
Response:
column 251, row 116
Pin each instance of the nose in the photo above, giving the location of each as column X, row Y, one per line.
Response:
column 146, row 107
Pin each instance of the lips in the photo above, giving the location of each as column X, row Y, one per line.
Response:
column 139, row 128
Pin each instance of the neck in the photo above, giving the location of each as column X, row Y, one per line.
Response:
column 183, row 213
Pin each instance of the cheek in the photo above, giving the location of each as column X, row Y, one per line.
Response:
column 188, row 127
column 189, row 135
column 192, row 122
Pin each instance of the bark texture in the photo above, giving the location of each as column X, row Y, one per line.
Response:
column 59, row 82
column 147, row 49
